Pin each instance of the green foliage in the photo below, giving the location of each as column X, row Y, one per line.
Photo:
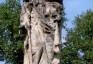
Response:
column 79, row 46
column 11, row 43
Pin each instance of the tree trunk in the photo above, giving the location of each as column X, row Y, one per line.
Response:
column 41, row 19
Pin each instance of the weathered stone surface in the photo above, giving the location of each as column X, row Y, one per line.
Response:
column 41, row 20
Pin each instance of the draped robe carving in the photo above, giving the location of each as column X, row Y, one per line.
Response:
column 41, row 19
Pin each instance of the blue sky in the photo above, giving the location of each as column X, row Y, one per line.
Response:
column 72, row 9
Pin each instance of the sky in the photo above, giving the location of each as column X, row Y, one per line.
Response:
column 72, row 9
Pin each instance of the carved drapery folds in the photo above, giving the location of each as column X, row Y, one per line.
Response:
column 41, row 19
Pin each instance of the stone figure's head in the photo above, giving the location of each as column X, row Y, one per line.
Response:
column 53, row 10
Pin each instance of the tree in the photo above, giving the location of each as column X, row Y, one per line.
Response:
column 79, row 46
column 11, row 43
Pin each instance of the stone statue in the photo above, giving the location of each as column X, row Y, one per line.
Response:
column 41, row 20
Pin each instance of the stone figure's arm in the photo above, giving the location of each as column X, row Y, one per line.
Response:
column 28, row 6
column 25, row 18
